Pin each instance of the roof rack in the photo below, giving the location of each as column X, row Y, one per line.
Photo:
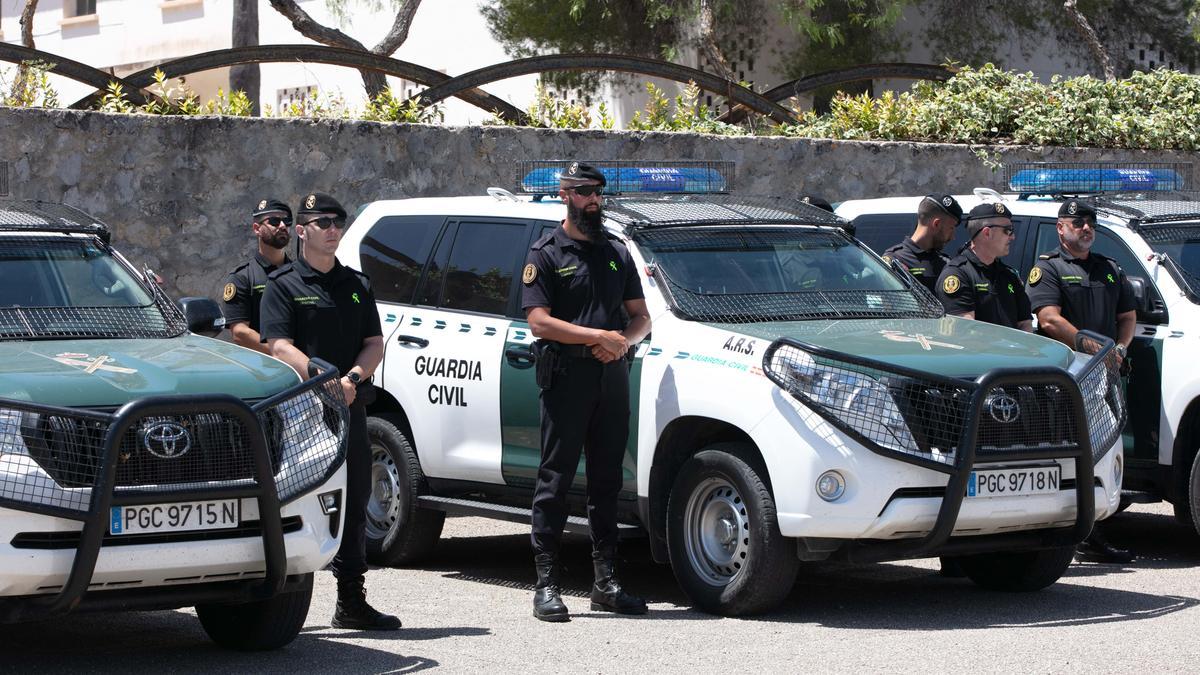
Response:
column 540, row 177
column 1083, row 178
column 715, row 209
column 38, row 216
column 1147, row 208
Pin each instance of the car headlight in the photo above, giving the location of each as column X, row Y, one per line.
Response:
column 860, row 401
column 307, row 446
column 23, row 480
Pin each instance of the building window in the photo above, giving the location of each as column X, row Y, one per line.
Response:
column 74, row 8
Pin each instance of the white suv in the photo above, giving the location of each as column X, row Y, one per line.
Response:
column 799, row 399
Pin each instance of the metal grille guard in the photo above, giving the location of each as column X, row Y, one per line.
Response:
column 95, row 518
column 959, row 463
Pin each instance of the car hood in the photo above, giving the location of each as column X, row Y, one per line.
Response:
column 110, row 373
column 949, row 346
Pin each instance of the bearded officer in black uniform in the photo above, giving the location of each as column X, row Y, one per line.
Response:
column 975, row 284
column 921, row 253
column 1073, row 288
column 577, row 280
column 316, row 307
column 272, row 222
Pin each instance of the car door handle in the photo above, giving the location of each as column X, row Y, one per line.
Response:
column 412, row 341
column 519, row 357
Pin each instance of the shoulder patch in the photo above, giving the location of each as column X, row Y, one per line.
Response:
column 230, row 291
column 951, row 284
column 529, row 274
column 545, row 239
column 1035, row 275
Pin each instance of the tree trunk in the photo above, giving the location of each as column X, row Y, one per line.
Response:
column 375, row 83
column 1092, row 40
column 19, row 82
column 246, row 78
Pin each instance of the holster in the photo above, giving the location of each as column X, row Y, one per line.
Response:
column 546, row 357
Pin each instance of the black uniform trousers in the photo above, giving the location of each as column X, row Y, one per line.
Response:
column 351, row 559
column 586, row 409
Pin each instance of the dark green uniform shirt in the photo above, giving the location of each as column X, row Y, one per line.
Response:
column 1091, row 292
column 994, row 292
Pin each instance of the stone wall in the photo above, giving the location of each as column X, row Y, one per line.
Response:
column 178, row 191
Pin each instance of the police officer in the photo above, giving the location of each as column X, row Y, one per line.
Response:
column 921, row 254
column 272, row 222
column 1073, row 288
column 577, row 280
column 975, row 284
column 316, row 307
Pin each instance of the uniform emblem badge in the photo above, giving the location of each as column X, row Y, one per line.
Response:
column 310, row 202
column 262, row 205
column 529, row 274
column 230, row 291
column 887, row 259
column 947, row 201
column 951, row 284
column 807, row 200
column 574, row 169
column 999, row 208
column 1072, row 208
column 1035, row 275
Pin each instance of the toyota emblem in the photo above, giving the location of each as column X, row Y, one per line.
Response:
column 166, row 440
column 1003, row 408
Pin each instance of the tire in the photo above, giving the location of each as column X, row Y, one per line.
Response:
column 1193, row 496
column 399, row 532
column 261, row 625
column 1020, row 571
column 722, row 535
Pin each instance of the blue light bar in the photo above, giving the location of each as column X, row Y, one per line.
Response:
column 1051, row 180
column 634, row 178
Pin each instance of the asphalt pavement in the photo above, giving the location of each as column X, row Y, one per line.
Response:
column 468, row 609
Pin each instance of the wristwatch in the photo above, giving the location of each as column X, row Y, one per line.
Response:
column 1120, row 349
column 354, row 377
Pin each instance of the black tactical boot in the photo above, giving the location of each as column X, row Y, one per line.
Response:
column 547, row 598
column 607, row 594
column 1096, row 548
column 352, row 610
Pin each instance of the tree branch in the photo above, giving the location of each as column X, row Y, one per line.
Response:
column 1093, row 41
column 399, row 32
column 20, row 81
column 708, row 44
column 304, row 24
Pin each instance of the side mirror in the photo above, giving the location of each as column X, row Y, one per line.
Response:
column 203, row 316
column 1149, row 308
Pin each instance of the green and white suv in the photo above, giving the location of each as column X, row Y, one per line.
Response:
column 143, row 466
column 799, row 399
column 1151, row 227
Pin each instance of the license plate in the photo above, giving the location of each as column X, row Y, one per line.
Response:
column 1017, row 481
column 177, row 517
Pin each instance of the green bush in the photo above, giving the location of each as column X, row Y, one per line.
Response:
column 1155, row 110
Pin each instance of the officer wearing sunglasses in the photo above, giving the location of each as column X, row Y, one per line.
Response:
column 975, row 284
column 317, row 307
column 243, row 290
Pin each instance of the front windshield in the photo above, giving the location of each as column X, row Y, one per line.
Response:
column 1180, row 241
column 59, row 287
column 757, row 273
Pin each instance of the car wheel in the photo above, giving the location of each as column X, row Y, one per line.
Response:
column 260, row 625
column 1193, row 495
column 724, row 542
column 1019, row 570
column 399, row 531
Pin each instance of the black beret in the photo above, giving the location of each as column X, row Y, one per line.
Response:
column 817, row 202
column 1076, row 209
column 579, row 172
column 983, row 212
column 319, row 202
column 268, row 205
column 948, row 204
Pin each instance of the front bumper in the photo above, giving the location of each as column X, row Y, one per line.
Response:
column 62, row 578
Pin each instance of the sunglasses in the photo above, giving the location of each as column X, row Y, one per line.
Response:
column 275, row 221
column 1080, row 223
column 588, row 190
column 327, row 222
column 1007, row 229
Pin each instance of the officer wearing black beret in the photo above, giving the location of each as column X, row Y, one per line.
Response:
column 921, row 254
column 1073, row 288
column 577, row 280
column 975, row 284
column 316, row 307
column 271, row 223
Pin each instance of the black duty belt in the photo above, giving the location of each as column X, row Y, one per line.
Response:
column 575, row 351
